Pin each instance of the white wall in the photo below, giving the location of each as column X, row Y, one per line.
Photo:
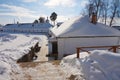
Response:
column 68, row 45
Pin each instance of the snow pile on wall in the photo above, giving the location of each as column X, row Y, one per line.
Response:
column 12, row 47
column 99, row 65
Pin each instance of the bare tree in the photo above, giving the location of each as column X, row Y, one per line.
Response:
column 36, row 21
column 91, row 8
column 95, row 6
column 104, row 11
column 41, row 19
column 53, row 17
column 115, row 10
column 106, row 7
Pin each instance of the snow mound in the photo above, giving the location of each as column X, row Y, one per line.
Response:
column 99, row 65
column 12, row 47
column 8, row 67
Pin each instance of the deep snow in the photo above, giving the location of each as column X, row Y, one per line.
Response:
column 12, row 47
column 99, row 65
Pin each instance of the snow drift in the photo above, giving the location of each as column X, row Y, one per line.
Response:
column 12, row 47
column 99, row 65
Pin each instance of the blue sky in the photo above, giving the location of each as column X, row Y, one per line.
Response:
column 28, row 10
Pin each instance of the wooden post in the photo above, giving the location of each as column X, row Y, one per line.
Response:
column 78, row 51
column 115, row 49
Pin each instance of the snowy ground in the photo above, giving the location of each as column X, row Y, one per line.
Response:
column 44, row 49
column 13, row 46
column 42, row 71
column 99, row 65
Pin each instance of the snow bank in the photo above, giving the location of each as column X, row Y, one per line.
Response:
column 12, row 47
column 99, row 65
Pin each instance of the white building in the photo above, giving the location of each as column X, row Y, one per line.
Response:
column 80, row 32
column 28, row 27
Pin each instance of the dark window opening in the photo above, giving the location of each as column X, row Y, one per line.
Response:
column 54, row 48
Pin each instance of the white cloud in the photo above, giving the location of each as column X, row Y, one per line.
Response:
column 64, row 3
column 84, row 3
column 62, row 18
column 16, row 8
column 30, row 0
column 18, row 11
column 26, row 15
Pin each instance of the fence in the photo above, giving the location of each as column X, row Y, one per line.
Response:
column 113, row 48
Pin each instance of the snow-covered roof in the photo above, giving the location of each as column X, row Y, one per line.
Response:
column 81, row 26
column 29, row 25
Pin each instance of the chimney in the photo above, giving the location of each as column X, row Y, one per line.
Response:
column 94, row 18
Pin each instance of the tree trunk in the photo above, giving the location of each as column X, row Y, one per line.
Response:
column 112, row 18
column 54, row 23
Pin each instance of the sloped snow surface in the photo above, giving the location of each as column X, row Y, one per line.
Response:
column 99, row 65
column 81, row 26
column 12, row 47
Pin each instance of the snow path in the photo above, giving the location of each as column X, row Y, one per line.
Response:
column 42, row 71
column 44, row 50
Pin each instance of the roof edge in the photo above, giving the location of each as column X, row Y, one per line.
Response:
column 87, row 36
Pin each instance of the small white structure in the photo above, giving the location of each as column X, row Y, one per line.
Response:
column 80, row 32
column 28, row 27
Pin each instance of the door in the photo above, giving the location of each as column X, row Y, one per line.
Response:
column 54, row 48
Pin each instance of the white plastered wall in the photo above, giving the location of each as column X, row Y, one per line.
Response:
column 69, row 45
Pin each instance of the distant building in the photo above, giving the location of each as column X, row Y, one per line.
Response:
column 28, row 27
